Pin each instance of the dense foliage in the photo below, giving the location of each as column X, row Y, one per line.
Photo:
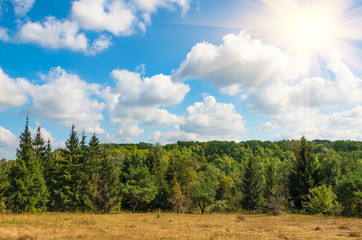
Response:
column 297, row 175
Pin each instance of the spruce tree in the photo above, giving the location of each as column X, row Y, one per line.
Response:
column 109, row 184
column 302, row 176
column 75, row 156
column 27, row 184
column 252, row 185
column 39, row 147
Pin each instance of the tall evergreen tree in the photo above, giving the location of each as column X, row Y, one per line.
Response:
column 302, row 176
column 79, row 182
column 109, row 184
column 39, row 147
column 27, row 185
column 252, row 185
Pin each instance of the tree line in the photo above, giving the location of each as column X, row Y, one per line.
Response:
column 317, row 176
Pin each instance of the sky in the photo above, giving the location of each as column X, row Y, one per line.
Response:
column 180, row 70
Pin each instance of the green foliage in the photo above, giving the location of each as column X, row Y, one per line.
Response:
column 303, row 173
column 203, row 191
column 322, row 200
column 220, row 176
column 4, row 184
column 252, row 185
column 28, row 192
column 139, row 186
column 349, row 193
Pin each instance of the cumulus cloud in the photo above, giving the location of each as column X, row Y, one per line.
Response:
column 240, row 63
column 104, row 15
column 274, row 84
column 118, row 17
column 21, row 7
column 54, row 34
column 67, row 99
column 204, row 121
column 4, row 36
column 136, row 100
column 7, row 138
column 48, row 136
column 12, row 91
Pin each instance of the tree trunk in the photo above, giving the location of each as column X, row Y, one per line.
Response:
column 134, row 207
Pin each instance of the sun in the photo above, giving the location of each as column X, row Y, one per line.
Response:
column 307, row 29
column 310, row 29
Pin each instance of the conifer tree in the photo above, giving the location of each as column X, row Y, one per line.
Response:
column 27, row 185
column 39, row 147
column 302, row 176
column 79, row 194
column 252, row 185
column 109, row 184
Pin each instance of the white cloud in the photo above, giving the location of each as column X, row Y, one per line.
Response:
column 57, row 34
column 118, row 16
column 136, row 100
column 147, row 7
column 48, row 136
column 213, row 119
column 270, row 83
column 99, row 44
column 173, row 136
column 238, row 64
column 4, row 36
column 104, row 15
column 12, row 93
column 67, row 99
column 205, row 121
column 7, row 138
column 21, row 7
column 54, row 34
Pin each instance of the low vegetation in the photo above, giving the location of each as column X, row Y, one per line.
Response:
column 176, row 226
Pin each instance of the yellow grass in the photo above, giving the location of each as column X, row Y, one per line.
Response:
column 174, row 226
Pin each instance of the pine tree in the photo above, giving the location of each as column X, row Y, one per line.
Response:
column 104, row 177
column 79, row 184
column 39, row 147
column 108, row 184
column 302, row 176
column 28, row 189
column 140, row 186
column 252, row 185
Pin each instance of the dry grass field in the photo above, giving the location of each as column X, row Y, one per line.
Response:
column 174, row 226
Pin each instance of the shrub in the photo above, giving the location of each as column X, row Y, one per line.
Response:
column 322, row 200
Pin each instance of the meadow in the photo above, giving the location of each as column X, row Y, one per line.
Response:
column 176, row 226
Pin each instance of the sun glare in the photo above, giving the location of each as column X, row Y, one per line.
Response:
column 311, row 29
column 308, row 29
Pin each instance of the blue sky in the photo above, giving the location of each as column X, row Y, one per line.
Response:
column 169, row 70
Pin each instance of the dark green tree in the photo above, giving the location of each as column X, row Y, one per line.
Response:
column 4, row 184
column 203, row 191
column 349, row 193
column 27, row 185
column 139, row 187
column 252, row 186
column 79, row 173
column 39, row 147
column 104, row 177
column 303, row 173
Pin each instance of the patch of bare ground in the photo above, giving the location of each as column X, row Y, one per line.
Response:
column 176, row 226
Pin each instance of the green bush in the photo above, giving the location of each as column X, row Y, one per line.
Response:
column 322, row 200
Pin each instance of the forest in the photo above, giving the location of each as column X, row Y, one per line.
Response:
column 310, row 177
